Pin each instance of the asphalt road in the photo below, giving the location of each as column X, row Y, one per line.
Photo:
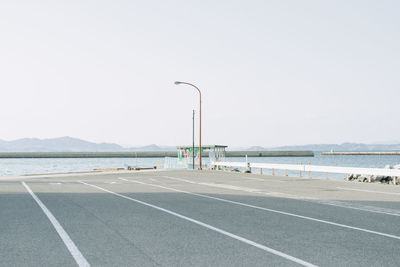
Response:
column 196, row 218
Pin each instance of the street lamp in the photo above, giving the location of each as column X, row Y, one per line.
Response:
column 177, row 83
column 193, row 141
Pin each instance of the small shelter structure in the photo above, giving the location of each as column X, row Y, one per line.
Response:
column 213, row 152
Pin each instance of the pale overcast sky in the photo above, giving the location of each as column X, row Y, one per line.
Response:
column 271, row 72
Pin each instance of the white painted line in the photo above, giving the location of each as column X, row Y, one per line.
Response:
column 310, row 199
column 369, row 191
column 246, row 189
column 79, row 258
column 240, row 188
column 255, row 179
column 242, row 239
column 356, row 206
column 180, row 179
column 270, row 210
column 232, row 187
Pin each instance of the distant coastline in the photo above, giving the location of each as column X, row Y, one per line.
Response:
column 70, row 144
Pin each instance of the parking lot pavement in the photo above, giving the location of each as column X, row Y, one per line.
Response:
column 196, row 218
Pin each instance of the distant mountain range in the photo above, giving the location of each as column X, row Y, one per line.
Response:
column 69, row 144
column 339, row 147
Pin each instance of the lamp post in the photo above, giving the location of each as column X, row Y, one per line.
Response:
column 177, row 83
column 193, row 141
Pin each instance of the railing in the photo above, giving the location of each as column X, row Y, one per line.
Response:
column 174, row 163
column 311, row 168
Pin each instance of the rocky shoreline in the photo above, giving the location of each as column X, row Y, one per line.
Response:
column 374, row 178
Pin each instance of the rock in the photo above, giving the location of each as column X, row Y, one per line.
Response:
column 372, row 178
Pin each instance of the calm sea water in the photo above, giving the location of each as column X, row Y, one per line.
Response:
column 12, row 167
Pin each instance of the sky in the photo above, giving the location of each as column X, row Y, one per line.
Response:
column 271, row 73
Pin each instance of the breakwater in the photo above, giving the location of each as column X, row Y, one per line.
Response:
column 148, row 154
column 391, row 153
column 267, row 153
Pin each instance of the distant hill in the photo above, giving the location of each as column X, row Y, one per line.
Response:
column 69, row 144
column 327, row 147
column 343, row 147
column 151, row 147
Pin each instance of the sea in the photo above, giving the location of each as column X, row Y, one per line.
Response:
column 16, row 167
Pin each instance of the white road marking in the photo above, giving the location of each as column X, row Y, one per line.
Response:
column 154, row 180
column 356, row 206
column 232, row 187
column 180, row 179
column 73, row 249
column 242, row 239
column 368, row 191
column 55, row 183
column 113, row 182
column 239, row 188
column 246, row 189
column 255, row 179
column 311, row 199
column 270, row 210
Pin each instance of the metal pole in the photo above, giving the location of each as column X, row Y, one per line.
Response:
column 201, row 166
column 193, row 141
column 177, row 83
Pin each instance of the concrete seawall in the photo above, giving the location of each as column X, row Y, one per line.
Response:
column 265, row 153
column 392, row 153
column 148, row 154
